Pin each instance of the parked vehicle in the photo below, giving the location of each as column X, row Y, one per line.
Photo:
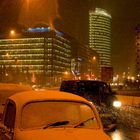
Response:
column 41, row 115
column 98, row 92
column 8, row 89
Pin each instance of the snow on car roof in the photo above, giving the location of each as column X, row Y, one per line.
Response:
column 29, row 96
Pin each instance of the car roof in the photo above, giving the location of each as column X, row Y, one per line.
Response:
column 23, row 98
column 29, row 96
column 95, row 81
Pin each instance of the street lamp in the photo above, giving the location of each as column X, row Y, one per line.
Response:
column 12, row 32
column 94, row 58
column 93, row 67
column 66, row 73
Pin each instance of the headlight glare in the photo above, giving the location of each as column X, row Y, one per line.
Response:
column 117, row 104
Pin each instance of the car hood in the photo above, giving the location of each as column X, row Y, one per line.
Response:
column 62, row 133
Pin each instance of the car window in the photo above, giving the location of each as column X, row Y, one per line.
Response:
column 69, row 86
column 9, row 120
column 40, row 114
column 88, row 87
column 106, row 89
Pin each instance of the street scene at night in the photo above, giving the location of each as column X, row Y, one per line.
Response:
column 69, row 69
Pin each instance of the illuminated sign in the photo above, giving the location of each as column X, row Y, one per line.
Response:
column 39, row 29
column 43, row 29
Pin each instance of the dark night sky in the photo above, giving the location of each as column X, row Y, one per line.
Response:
column 125, row 17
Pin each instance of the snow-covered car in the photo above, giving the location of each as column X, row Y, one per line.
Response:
column 50, row 115
column 8, row 89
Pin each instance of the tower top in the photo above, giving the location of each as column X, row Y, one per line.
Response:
column 100, row 11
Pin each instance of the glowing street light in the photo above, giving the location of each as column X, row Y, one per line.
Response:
column 94, row 58
column 66, row 73
column 12, row 32
column 93, row 68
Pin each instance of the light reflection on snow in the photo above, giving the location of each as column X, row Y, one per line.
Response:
column 128, row 124
column 117, row 135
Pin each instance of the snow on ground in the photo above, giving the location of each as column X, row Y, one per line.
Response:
column 129, row 116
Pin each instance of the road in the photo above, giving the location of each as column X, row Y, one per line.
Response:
column 123, row 133
column 129, row 124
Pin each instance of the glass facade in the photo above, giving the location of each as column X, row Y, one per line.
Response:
column 43, row 58
column 100, row 35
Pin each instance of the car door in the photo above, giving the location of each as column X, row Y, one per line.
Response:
column 7, row 130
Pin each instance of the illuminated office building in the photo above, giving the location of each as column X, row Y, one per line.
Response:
column 38, row 55
column 100, row 35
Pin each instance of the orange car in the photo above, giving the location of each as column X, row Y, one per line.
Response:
column 51, row 115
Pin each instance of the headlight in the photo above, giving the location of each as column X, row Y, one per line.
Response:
column 117, row 104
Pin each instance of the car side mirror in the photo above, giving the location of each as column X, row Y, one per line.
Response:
column 110, row 128
column 107, row 126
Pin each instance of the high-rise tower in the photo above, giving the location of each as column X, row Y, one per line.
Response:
column 100, row 35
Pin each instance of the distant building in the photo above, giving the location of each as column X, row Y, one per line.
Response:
column 38, row 55
column 100, row 35
column 137, row 65
column 44, row 56
column 85, row 61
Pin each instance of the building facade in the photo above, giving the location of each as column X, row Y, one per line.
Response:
column 35, row 57
column 100, row 35
column 45, row 56
column 85, row 61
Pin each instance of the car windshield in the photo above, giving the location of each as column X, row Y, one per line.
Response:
column 48, row 114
